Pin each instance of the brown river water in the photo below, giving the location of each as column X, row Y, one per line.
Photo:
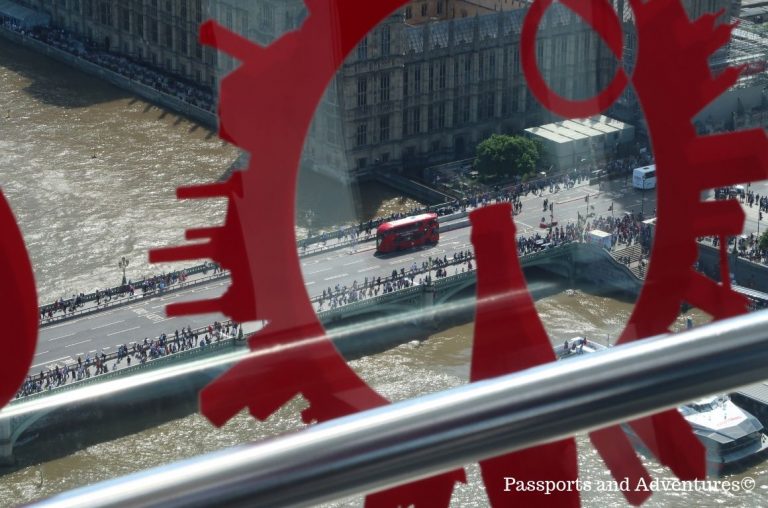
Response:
column 90, row 173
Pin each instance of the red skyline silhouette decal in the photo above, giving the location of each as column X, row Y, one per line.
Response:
column 303, row 360
column 266, row 106
column 18, row 305
column 281, row 85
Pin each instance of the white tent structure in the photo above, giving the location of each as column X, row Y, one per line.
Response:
column 569, row 142
column 601, row 238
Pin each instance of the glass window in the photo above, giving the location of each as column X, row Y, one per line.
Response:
column 91, row 176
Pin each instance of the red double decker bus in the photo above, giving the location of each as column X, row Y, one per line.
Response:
column 407, row 233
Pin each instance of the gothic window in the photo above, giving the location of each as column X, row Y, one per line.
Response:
column 362, row 92
column 362, row 134
column 384, row 87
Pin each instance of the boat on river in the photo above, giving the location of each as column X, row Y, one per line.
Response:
column 732, row 436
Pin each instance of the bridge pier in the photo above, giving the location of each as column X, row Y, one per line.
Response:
column 6, row 444
column 428, row 297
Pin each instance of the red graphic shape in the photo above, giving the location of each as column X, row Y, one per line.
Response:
column 599, row 14
column 673, row 83
column 18, row 305
column 509, row 336
column 265, row 107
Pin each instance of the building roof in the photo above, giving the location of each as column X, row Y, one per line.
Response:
column 406, row 221
column 548, row 135
column 27, row 18
column 757, row 391
column 751, row 293
column 578, row 128
column 487, row 27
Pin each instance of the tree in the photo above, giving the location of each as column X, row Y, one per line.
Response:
column 763, row 242
column 506, row 156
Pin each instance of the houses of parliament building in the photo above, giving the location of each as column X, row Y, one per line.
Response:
column 423, row 87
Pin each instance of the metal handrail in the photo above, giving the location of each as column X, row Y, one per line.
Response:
column 414, row 439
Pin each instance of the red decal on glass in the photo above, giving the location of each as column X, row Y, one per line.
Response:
column 18, row 305
column 509, row 336
column 257, row 243
column 599, row 14
column 673, row 82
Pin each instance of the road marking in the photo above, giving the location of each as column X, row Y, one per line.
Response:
column 337, row 276
column 308, row 283
column 49, row 361
column 121, row 331
column 63, row 336
column 106, row 325
column 354, row 262
column 577, row 198
column 62, row 324
column 368, row 269
column 42, row 353
column 76, row 343
column 319, row 271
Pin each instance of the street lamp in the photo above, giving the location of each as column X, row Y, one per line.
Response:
column 551, row 217
column 123, row 264
column 309, row 216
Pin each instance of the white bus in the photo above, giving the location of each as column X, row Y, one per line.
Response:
column 645, row 177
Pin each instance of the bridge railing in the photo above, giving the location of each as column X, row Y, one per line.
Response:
column 393, row 444
column 436, row 282
column 381, row 281
column 222, row 343
column 120, row 295
column 348, row 308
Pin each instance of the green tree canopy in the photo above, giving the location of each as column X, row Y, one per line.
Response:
column 505, row 156
column 763, row 242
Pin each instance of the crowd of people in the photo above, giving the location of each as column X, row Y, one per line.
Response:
column 557, row 236
column 103, row 298
column 187, row 92
column 416, row 274
column 745, row 246
column 628, row 230
column 139, row 352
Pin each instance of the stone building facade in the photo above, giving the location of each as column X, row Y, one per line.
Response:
column 422, row 11
column 164, row 33
column 420, row 95
column 411, row 94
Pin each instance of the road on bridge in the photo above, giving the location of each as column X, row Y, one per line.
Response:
column 102, row 331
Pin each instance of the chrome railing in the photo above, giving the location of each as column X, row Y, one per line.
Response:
column 421, row 437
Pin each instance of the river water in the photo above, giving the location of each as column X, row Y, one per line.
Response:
column 90, row 173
